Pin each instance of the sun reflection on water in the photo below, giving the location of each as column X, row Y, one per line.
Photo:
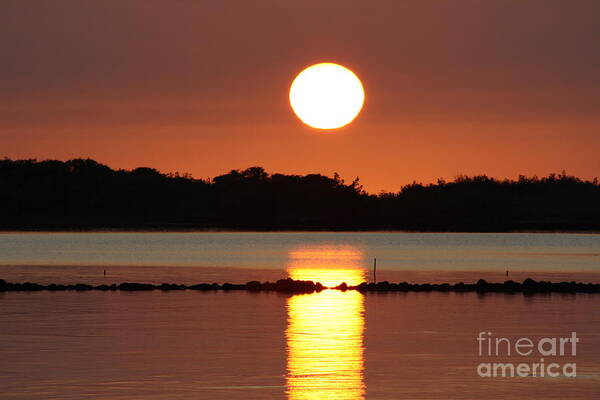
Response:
column 325, row 330
column 329, row 265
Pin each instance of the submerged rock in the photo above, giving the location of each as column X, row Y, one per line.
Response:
column 289, row 285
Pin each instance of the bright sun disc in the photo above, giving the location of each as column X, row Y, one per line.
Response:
column 327, row 96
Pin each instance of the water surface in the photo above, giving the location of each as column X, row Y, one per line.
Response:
column 240, row 345
column 327, row 345
column 240, row 257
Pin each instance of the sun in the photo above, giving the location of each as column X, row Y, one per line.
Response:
column 327, row 96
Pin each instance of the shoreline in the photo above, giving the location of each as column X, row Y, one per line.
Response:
column 290, row 230
column 528, row 286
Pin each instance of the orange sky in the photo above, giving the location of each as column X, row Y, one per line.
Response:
column 502, row 87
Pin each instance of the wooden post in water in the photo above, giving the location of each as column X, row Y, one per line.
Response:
column 375, row 269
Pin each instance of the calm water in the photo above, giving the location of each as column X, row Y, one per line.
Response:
column 240, row 257
column 328, row 345
column 331, row 345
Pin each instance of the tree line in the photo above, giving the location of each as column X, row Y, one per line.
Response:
column 84, row 194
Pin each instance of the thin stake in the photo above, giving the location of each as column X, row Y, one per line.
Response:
column 375, row 269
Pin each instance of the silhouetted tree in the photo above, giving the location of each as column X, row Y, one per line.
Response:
column 83, row 193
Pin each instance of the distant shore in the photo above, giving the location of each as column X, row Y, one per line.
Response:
column 83, row 195
column 528, row 286
column 184, row 228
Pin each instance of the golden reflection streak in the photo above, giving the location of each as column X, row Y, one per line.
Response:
column 330, row 265
column 325, row 330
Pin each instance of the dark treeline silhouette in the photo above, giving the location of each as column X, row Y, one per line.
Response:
column 84, row 194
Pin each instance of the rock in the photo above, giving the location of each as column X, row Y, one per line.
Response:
column 128, row 286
